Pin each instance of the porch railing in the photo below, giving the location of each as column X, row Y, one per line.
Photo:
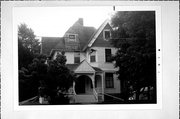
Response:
column 113, row 96
column 95, row 94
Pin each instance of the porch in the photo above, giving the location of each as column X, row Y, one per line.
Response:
column 88, row 87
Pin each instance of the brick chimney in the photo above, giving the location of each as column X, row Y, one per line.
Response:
column 81, row 21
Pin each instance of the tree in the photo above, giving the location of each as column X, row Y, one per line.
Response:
column 60, row 79
column 134, row 36
column 28, row 46
column 24, row 56
column 46, row 78
column 27, row 37
column 30, row 78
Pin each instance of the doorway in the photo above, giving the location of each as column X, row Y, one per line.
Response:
column 83, row 84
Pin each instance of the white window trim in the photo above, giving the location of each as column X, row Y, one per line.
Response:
column 105, row 55
column 75, row 40
column 75, row 56
column 95, row 57
column 112, row 80
column 104, row 34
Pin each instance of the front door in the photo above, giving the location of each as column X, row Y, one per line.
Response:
column 80, row 85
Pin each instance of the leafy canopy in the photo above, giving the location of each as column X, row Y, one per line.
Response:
column 134, row 36
column 28, row 39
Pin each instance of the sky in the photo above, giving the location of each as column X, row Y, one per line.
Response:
column 55, row 21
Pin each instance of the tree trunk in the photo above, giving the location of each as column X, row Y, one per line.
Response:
column 137, row 94
column 148, row 94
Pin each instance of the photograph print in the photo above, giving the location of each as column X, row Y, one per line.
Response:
column 86, row 55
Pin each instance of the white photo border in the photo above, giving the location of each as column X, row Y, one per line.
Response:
column 168, row 86
column 169, row 70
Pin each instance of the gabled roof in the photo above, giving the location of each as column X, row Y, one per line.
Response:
column 96, row 34
column 83, row 66
column 86, row 37
column 97, row 69
column 72, row 67
column 84, row 32
column 49, row 43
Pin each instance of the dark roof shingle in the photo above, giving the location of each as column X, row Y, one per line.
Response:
column 97, row 69
column 49, row 43
column 84, row 33
column 72, row 67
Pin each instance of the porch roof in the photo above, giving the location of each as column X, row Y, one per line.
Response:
column 82, row 67
column 97, row 69
column 72, row 67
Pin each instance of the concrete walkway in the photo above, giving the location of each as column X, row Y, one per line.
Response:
column 84, row 99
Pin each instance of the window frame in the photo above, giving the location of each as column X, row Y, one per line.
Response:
column 77, row 56
column 104, row 34
column 92, row 54
column 109, row 82
column 72, row 39
column 108, row 55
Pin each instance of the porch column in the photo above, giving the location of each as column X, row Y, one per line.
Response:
column 102, row 81
column 93, row 80
column 74, row 83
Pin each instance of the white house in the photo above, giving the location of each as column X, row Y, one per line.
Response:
column 88, row 52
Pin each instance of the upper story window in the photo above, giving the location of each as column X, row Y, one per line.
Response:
column 93, row 56
column 72, row 37
column 107, row 34
column 76, row 57
column 108, row 55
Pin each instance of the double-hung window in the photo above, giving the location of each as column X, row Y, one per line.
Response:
column 108, row 56
column 93, row 57
column 107, row 34
column 109, row 80
column 76, row 57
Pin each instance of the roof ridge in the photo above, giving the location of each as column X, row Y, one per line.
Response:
column 105, row 22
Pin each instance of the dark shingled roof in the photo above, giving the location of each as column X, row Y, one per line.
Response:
column 104, row 43
column 72, row 67
column 93, row 35
column 97, row 69
column 49, row 43
column 84, row 32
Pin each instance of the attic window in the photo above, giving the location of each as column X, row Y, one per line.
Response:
column 72, row 37
column 107, row 34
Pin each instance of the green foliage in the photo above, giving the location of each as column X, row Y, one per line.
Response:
column 134, row 36
column 38, row 64
column 62, row 77
column 61, row 58
column 28, row 46
column 51, row 76
column 27, row 37
column 134, row 24
column 28, row 84
column 24, row 56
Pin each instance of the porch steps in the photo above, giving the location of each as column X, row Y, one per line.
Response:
column 84, row 99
